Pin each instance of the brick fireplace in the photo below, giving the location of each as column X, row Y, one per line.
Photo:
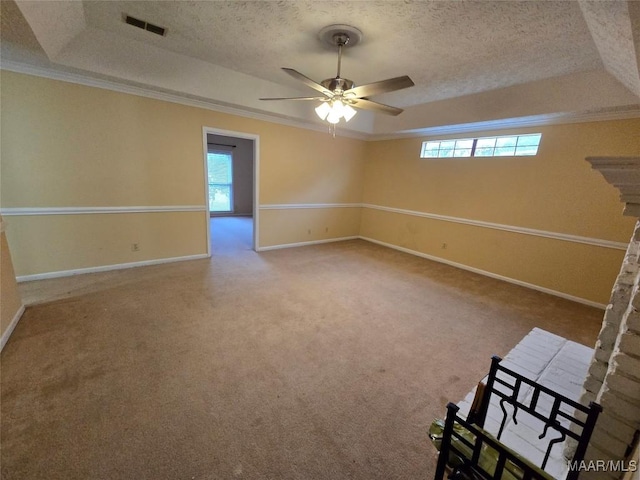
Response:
column 614, row 374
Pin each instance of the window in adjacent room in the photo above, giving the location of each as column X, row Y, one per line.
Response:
column 503, row 146
column 220, row 165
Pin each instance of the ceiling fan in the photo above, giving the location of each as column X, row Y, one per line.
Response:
column 340, row 95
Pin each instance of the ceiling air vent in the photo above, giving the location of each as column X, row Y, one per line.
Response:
column 149, row 27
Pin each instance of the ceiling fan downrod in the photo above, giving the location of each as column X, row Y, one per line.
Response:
column 341, row 40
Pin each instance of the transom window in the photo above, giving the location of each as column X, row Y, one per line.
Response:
column 504, row 146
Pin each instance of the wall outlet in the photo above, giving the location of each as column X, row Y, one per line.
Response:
column 309, row 231
column 326, row 229
column 135, row 247
column 444, row 246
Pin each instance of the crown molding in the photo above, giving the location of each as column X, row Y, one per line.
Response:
column 88, row 81
column 509, row 123
column 464, row 128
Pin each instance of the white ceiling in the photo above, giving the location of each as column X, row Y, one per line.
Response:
column 471, row 61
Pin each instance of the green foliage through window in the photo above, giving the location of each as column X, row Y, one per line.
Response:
column 220, row 166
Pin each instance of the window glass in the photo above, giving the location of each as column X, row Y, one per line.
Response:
column 532, row 140
column 504, row 151
column 504, row 146
column 430, row 149
column 467, row 143
column 462, row 152
column 506, row 141
column 526, row 150
column 220, row 173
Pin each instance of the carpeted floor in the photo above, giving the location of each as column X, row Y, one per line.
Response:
column 320, row 362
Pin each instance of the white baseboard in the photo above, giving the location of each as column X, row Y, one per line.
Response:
column 556, row 293
column 7, row 333
column 106, row 268
column 304, row 244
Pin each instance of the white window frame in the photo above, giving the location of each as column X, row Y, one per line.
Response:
column 497, row 146
column 211, row 186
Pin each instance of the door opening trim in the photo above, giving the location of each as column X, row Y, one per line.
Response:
column 256, row 179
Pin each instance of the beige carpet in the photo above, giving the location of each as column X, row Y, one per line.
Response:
column 321, row 362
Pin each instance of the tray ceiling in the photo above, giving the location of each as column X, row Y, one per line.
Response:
column 487, row 59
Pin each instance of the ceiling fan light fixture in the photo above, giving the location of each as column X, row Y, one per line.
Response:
column 340, row 95
column 323, row 110
column 348, row 112
column 333, row 111
column 337, row 108
column 333, row 118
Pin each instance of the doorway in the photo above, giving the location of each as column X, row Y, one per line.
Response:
column 231, row 161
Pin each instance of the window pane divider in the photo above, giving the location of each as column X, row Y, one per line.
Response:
column 434, row 148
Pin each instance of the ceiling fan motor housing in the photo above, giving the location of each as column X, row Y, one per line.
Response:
column 337, row 85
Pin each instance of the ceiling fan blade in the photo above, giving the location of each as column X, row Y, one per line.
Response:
column 295, row 98
column 378, row 107
column 383, row 86
column 308, row 82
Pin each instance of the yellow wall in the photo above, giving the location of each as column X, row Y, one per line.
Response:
column 300, row 225
column 67, row 145
column 57, row 243
column 10, row 301
column 555, row 191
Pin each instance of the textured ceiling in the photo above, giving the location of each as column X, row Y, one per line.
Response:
column 451, row 49
column 448, row 48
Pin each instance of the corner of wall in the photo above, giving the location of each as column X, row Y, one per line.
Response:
column 12, row 308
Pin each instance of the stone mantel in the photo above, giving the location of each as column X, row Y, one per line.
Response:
column 624, row 174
